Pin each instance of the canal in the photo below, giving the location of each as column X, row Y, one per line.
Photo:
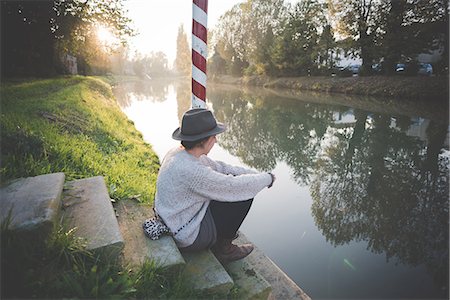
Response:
column 360, row 208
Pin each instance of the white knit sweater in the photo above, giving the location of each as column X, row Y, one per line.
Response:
column 186, row 185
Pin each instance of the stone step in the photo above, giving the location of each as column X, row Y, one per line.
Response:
column 138, row 247
column 32, row 204
column 249, row 282
column 87, row 207
column 206, row 274
column 283, row 287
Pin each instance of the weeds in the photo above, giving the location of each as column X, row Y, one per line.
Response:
column 92, row 278
column 153, row 281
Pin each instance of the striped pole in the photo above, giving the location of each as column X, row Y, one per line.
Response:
column 199, row 52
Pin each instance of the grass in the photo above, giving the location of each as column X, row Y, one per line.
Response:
column 61, row 267
column 73, row 125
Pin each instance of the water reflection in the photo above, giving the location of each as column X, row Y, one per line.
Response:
column 372, row 177
column 183, row 97
column 153, row 90
column 263, row 132
column 374, row 183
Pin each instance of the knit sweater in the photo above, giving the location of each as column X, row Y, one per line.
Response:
column 186, row 184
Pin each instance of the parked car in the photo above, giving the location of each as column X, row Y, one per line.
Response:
column 400, row 68
column 425, row 69
column 354, row 69
column 350, row 70
column 415, row 69
column 377, row 68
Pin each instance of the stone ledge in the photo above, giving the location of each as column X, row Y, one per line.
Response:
column 206, row 274
column 138, row 247
column 87, row 207
column 34, row 203
column 250, row 284
column 282, row 286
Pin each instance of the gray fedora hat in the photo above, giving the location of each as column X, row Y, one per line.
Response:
column 196, row 124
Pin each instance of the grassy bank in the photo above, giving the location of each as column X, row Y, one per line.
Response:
column 396, row 87
column 73, row 125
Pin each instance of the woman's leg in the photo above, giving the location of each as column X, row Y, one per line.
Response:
column 228, row 216
column 207, row 235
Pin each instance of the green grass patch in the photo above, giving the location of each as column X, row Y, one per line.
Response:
column 73, row 125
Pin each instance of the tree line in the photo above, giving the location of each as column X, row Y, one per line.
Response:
column 254, row 37
column 310, row 37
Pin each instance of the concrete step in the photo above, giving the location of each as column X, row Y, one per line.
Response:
column 138, row 247
column 206, row 274
column 87, row 207
column 283, row 287
column 249, row 282
column 33, row 204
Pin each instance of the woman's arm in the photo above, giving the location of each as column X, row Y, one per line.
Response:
column 221, row 187
column 225, row 168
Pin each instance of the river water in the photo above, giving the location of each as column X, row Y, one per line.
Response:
column 360, row 208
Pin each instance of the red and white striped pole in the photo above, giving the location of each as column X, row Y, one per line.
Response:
column 199, row 52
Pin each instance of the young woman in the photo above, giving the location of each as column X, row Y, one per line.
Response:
column 203, row 201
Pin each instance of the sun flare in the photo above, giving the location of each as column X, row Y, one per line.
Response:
column 105, row 36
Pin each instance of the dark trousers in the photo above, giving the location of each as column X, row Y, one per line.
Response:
column 222, row 220
column 228, row 216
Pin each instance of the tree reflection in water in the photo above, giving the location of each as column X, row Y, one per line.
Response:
column 262, row 132
column 184, row 95
column 370, row 179
column 155, row 90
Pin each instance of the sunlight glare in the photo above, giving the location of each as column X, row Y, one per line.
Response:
column 105, row 36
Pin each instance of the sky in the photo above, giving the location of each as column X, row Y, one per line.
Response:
column 157, row 22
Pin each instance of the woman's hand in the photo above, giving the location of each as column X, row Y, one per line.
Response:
column 273, row 180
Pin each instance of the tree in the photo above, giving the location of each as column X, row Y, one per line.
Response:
column 326, row 48
column 216, row 64
column 183, row 58
column 158, row 64
column 26, row 38
column 119, row 60
column 392, row 30
column 265, row 20
column 245, row 35
column 76, row 25
column 412, row 27
column 394, row 39
column 426, row 24
column 297, row 51
column 231, row 41
column 358, row 19
column 36, row 33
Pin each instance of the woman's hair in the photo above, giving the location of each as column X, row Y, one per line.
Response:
column 192, row 144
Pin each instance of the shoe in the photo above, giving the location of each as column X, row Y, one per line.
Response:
column 227, row 252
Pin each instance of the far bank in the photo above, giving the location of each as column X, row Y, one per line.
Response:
column 400, row 87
